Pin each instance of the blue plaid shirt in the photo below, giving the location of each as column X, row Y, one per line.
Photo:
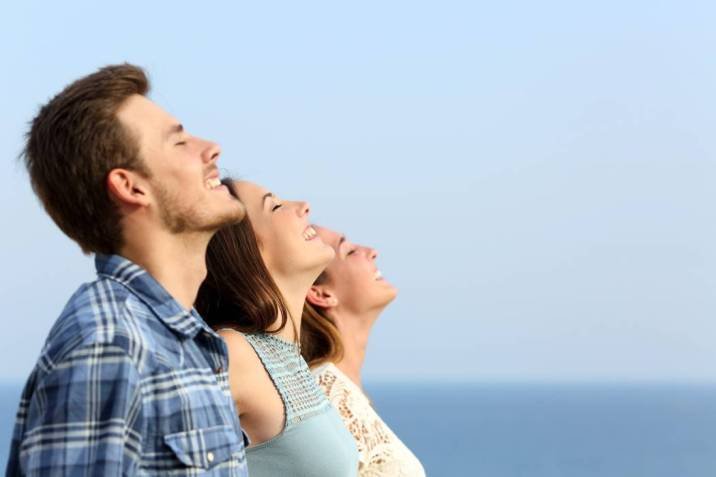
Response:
column 128, row 383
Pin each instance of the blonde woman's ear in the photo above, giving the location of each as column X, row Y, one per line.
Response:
column 321, row 297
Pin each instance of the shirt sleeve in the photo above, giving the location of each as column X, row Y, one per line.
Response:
column 84, row 416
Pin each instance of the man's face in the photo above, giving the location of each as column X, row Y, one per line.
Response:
column 186, row 195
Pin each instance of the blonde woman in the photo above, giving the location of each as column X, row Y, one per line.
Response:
column 340, row 310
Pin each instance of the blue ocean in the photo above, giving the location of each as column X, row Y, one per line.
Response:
column 537, row 430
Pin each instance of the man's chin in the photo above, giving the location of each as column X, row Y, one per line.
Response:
column 239, row 215
column 231, row 218
column 208, row 224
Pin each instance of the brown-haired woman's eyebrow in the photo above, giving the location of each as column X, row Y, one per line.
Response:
column 266, row 196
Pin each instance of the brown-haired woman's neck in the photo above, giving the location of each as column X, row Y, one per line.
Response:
column 294, row 292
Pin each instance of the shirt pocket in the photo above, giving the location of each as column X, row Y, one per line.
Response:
column 204, row 448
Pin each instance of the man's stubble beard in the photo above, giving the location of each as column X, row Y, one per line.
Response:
column 179, row 218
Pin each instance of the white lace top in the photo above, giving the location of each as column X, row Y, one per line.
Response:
column 382, row 454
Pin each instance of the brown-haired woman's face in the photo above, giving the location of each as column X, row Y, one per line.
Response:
column 289, row 245
column 353, row 275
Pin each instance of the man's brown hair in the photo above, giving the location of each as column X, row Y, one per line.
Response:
column 74, row 142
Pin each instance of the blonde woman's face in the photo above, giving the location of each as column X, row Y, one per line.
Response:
column 353, row 275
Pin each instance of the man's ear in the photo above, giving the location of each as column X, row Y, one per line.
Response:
column 321, row 297
column 127, row 188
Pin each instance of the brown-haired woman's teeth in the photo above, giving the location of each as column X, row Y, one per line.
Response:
column 309, row 233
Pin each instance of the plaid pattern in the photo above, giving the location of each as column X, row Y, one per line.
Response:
column 128, row 383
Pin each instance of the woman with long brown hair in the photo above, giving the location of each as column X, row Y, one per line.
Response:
column 259, row 272
column 340, row 310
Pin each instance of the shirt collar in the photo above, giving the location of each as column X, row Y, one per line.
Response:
column 186, row 323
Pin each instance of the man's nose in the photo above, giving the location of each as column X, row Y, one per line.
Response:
column 211, row 152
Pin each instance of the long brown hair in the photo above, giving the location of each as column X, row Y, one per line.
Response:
column 75, row 140
column 239, row 292
column 320, row 339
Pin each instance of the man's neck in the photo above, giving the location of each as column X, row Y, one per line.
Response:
column 177, row 262
column 354, row 329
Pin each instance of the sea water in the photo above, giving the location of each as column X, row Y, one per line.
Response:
column 535, row 430
column 541, row 430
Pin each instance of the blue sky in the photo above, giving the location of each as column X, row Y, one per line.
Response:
column 538, row 178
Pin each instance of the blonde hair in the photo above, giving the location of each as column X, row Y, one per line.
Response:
column 320, row 339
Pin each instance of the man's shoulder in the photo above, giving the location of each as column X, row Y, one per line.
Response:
column 102, row 312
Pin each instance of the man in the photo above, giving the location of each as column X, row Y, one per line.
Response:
column 131, row 380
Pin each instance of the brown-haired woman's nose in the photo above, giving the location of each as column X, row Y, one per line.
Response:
column 373, row 253
column 304, row 208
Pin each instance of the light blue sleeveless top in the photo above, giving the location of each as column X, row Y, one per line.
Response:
column 314, row 441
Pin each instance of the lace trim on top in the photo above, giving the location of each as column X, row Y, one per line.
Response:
column 382, row 453
column 301, row 396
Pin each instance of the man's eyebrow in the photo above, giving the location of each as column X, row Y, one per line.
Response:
column 174, row 129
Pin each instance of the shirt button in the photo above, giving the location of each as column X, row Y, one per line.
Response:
column 210, row 457
column 219, row 370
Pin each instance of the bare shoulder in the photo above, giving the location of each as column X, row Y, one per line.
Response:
column 234, row 339
column 246, row 371
column 241, row 353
